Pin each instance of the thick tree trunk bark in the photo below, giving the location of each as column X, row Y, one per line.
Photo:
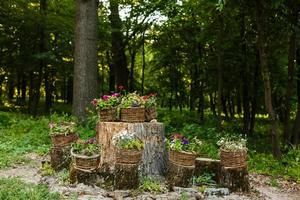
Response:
column 152, row 134
column 220, row 70
column 85, row 65
column 118, row 49
column 290, row 79
column 261, row 43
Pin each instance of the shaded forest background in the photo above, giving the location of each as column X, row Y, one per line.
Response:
column 222, row 59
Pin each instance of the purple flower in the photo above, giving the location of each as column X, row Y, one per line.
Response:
column 184, row 141
column 105, row 97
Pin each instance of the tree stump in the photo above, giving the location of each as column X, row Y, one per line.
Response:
column 236, row 179
column 60, row 157
column 207, row 165
column 126, row 176
column 85, row 177
column 179, row 175
column 152, row 134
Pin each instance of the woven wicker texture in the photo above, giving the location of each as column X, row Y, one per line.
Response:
column 182, row 158
column 63, row 140
column 127, row 156
column 85, row 162
column 233, row 159
column 150, row 113
column 133, row 114
column 108, row 115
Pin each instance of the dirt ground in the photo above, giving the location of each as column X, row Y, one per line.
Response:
column 260, row 186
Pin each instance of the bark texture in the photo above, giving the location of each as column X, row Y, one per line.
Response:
column 122, row 174
column 179, row 175
column 152, row 134
column 236, row 179
column 60, row 157
column 85, row 58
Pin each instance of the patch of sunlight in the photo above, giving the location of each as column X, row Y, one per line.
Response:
column 262, row 116
column 67, row 59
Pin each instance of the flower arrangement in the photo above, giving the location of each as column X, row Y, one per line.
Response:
column 88, row 148
column 124, row 140
column 228, row 144
column 62, row 128
column 132, row 100
column 107, row 101
column 180, row 143
column 150, row 100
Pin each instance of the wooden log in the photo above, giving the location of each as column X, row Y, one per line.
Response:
column 179, row 175
column 152, row 134
column 126, row 176
column 207, row 165
column 85, row 177
column 236, row 179
column 60, row 157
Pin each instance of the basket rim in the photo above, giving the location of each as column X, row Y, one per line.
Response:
column 112, row 108
column 185, row 152
column 135, row 150
column 133, row 108
column 83, row 156
column 240, row 151
column 57, row 135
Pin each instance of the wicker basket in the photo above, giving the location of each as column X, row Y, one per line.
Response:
column 182, row 158
column 63, row 140
column 150, row 113
column 234, row 159
column 127, row 156
column 108, row 115
column 133, row 114
column 85, row 163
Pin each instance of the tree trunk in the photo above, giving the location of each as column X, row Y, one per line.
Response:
column 220, row 69
column 132, row 53
column 244, row 66
column 118, row 50
column 290, row 79
column 85, row 58
column 212, row 104
column 144, row 63
column 296, row 127
column 152, row 134
column 255, row 94
column 261, row 43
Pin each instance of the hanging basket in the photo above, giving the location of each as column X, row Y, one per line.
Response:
column 63, row 140
column 150, row 113
column 182, row 158
column 234, row 159
column 133, row 114
column 128, row 156
column 108, row 115
column 85, row 163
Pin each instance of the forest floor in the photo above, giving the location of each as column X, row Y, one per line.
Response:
column 262, row 186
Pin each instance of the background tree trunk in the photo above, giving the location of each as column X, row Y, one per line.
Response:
column 85, row 65
column 261, row 43
column 118, row 50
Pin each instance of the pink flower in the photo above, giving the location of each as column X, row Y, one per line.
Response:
column 121, row 87
column 94, row 102
column 51, row 125
column 115, row 94
column 145, row 97
column 105, row 97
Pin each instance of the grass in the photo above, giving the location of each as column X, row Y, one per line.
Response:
column 14, row 189
column 21, row 134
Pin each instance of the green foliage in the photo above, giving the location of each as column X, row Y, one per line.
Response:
column 64, row 177
column 132, row 100
column 134, row 144
column 86, row 148
column 228, row 144
column 205, row 179
column 150, row 100
column 150, row 185
column 47, row 170
column 14, row 189
column 181, row 143
column 107, row 101
column 22, row 135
